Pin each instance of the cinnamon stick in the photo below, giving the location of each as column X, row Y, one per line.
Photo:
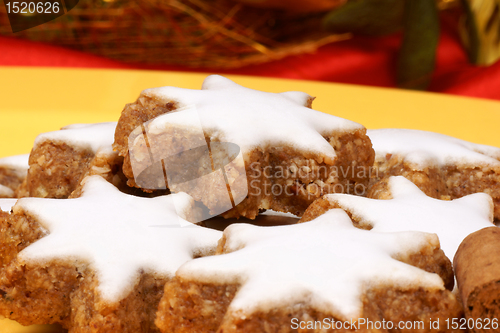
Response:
column 477, row 269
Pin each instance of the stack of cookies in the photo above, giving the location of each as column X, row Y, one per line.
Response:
column 110, row 227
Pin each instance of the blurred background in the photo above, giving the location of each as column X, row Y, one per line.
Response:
column 448, row 46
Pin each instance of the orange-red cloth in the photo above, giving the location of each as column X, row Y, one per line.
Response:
column 361, row 60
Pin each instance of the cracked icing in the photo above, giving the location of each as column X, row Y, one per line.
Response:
column 249, row 118
column 426, row 148
column 326, row 262
column 83, row 136
column 113, row 232
column 411, row 209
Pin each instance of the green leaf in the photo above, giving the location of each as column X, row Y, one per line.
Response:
column 417, row 55
column 366, row 17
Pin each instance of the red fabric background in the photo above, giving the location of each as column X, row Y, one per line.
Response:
column 365, row 61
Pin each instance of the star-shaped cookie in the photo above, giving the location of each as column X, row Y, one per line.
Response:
column 327, row 264
column 276, row 134
column 411, row 210
column 103, row 249
column 116, row 234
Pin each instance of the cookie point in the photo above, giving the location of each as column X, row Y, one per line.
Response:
column 216, row 82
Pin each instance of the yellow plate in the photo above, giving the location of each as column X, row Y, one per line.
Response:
column 36, row 100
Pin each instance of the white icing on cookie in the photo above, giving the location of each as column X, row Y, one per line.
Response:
column 82, row 136
column 6, row 192
column 249, row 118
column 18, row 163
column 271, row 212
column 412, row 210
column 326, row 263
column 423, row 148
column 7, row 204
column 113, row 232
column 106, row 152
